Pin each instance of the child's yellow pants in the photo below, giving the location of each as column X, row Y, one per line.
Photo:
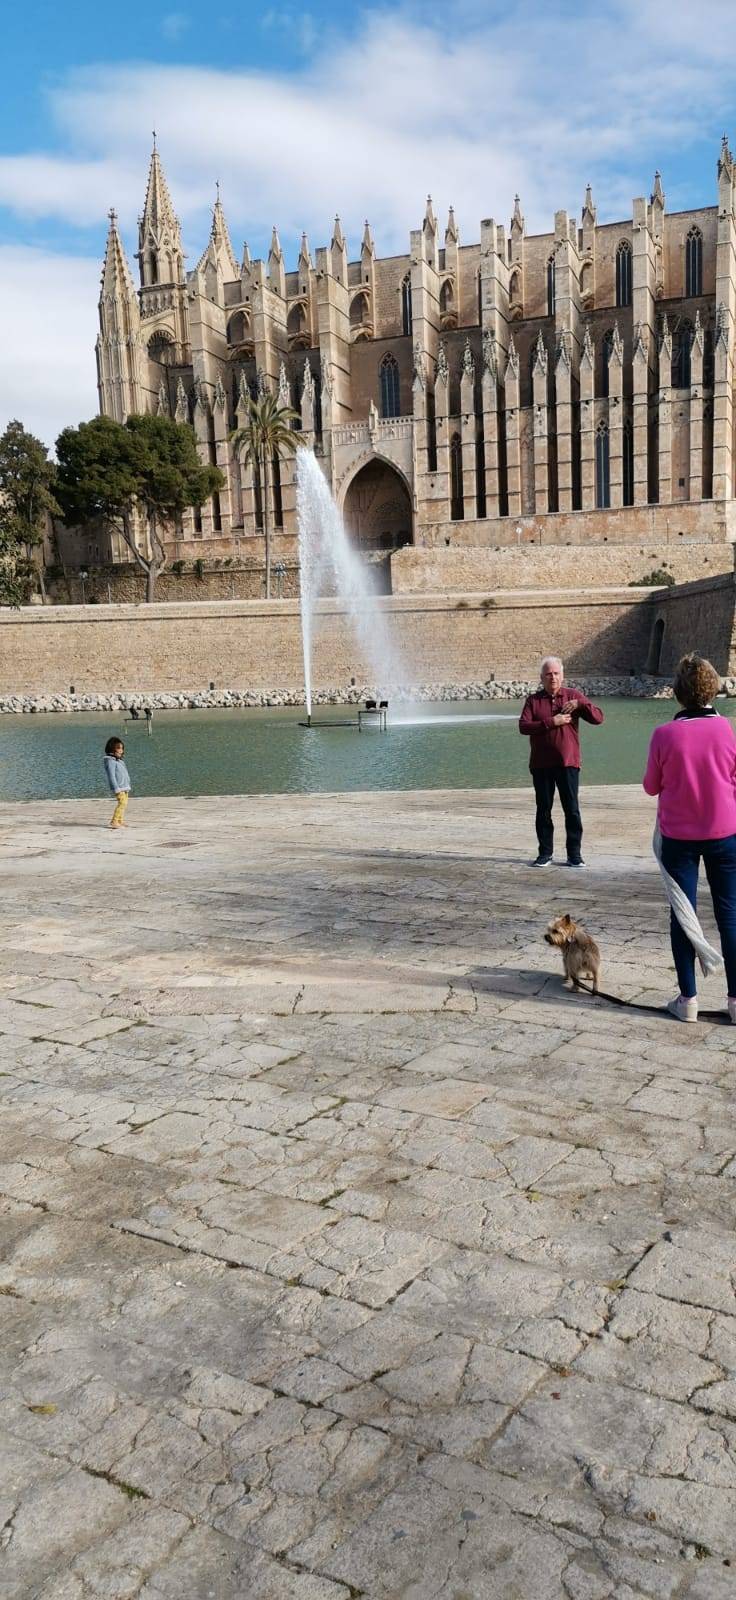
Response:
column 118, row 816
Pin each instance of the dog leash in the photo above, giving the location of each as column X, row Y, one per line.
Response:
column 637, row 1005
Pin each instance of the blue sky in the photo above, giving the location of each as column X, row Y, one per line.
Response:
column 302, row 112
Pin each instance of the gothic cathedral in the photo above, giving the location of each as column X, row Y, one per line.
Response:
column 574, row 387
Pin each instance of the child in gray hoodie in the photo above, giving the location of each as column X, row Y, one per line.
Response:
column 118, row 779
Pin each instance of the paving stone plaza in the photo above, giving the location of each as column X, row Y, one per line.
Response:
column 344, row 1253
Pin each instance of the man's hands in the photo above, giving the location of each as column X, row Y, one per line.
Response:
column 561, row 720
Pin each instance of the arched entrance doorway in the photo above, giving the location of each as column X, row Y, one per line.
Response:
column 378, row 517
column 654, row 661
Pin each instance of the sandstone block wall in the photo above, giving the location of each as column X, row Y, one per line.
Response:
column 257, row 645
column 696, row 616
column 674, row 523
column 454, row 571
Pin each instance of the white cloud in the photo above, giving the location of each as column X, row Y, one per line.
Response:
column 535, row 100
column 48, row 327
column 174, row 24
column 467, row 105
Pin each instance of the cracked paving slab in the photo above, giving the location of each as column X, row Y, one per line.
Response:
column 343, row 1255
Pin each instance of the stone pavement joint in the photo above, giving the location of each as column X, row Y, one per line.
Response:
column 346, row 1256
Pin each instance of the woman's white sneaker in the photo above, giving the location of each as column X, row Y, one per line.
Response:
column 687, row 1010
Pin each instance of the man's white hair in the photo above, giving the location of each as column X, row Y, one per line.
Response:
column 551, row 661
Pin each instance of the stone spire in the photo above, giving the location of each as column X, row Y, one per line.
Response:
column 339, row 254
column 429, row 234
column 276, row 269
column 451, row 246
column 367, row 249
column 247, row 261
column 589, row 212
column 182, row 404
column 120, row 356
column 657, row 196
column 512, row 362
column 490, row 364
column 540, row 354
column 305, row 256
column 159, row 235
column 220, row 237
column 284, row 394
column 117, row 278
column 517, row 219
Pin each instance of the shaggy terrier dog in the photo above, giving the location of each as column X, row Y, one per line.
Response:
column 581, row 957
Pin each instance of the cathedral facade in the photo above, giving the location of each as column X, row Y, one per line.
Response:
column 572, row 387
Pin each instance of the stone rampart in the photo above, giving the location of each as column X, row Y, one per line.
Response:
column 256, row 645
column 694, row 616
column 418, row 570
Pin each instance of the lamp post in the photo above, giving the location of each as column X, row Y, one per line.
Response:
column 83, row 576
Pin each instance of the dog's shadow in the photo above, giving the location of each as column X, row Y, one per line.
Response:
column 526, row 983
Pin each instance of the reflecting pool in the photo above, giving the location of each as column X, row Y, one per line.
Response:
column 469, row 745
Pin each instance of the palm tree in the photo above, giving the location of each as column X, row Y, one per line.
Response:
column 266, row 437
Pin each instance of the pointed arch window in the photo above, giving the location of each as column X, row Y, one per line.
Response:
column 317, row 382
column 406, row 312
column 551, row 287
column 694, row 262
column 602, row 467
column 456, row 478
column 480, row 297
column 623, row 274
column 390, row 389
column 628, row 463
column 680, row 375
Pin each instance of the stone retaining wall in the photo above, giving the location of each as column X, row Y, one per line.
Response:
column 256, row 646
column 462, row 571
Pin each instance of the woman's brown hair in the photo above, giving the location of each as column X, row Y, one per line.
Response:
column 696, row 682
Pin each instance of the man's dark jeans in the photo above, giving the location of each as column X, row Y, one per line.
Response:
column 681, row 858
column 566, row 780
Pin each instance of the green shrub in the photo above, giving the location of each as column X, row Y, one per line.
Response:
column 199, row 568
column 658, row 579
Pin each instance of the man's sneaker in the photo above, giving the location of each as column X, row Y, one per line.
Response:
column 541, row 861
column 578, row 863
column 687, row 1010
column 732, row 1009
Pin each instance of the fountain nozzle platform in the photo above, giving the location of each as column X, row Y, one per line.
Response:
column 374, row 713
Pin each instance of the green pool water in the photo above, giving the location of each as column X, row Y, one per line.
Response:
column 251, row 752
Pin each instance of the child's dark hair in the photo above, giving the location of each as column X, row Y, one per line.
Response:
column 112, row 745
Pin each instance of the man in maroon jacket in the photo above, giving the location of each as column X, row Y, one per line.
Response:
column 550, row 719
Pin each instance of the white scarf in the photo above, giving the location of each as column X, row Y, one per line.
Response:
column 710, row 960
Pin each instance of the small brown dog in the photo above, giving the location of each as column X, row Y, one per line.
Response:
column 581, row 957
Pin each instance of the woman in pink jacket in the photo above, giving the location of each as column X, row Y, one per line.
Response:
column 692, row 768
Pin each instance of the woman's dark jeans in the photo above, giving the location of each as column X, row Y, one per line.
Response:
column 681, row 857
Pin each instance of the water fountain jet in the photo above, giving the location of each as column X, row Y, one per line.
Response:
column 327, row 560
